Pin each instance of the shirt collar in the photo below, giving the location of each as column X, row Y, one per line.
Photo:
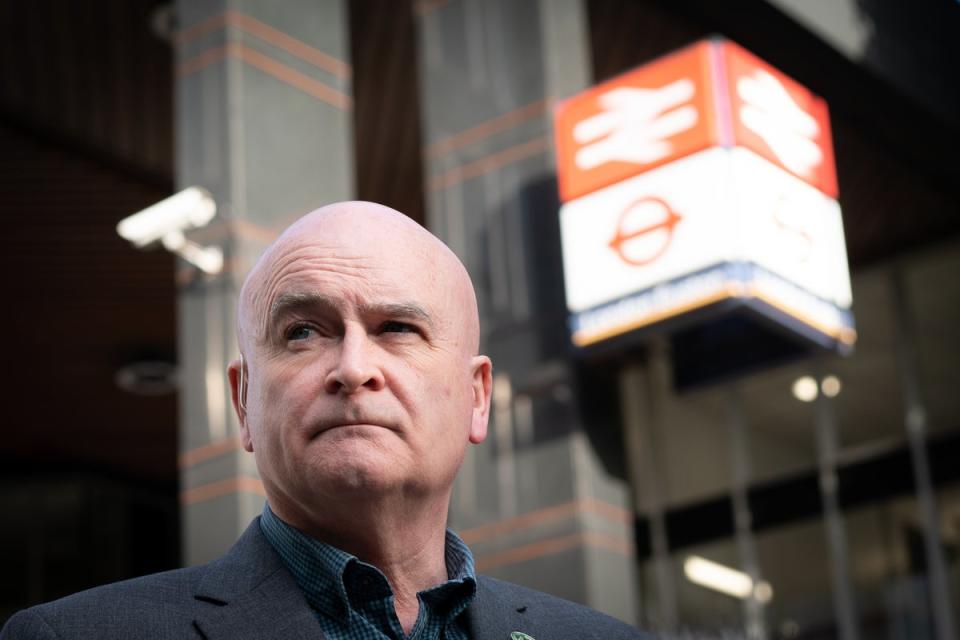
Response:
column 321, row 570
column 318, row 568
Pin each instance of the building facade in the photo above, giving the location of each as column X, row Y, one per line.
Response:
column 825, row 483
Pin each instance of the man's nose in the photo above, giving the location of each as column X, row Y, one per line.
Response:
column 356, row 366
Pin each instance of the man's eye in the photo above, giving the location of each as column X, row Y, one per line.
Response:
column 299, row 332
column 392, row 326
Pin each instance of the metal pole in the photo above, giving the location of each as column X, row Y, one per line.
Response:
column 916, row 425
column 631, row 384
column 742, row 520
column 843, row 600
column 642, row 398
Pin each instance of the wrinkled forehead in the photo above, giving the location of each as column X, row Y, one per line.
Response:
column 362, row 265
column 371, row 255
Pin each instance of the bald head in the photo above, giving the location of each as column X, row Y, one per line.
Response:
column 360, row 376
column 356, row 239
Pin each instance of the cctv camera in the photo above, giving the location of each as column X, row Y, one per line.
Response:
column 167, row 221
column 191, row 208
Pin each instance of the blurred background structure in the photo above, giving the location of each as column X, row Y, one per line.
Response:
column 832, row 485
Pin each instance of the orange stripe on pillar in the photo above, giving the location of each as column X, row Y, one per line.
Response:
column 208, row 451
column 268, row 34
column 546, row 515
column 489, row 163
column 486, row 129
column 237, row 484
column 554, row 546
column 271, row 67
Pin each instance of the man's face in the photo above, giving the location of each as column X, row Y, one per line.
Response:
column 362, row 380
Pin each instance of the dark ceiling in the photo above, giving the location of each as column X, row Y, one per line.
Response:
column 86, row 138
column 85, row 113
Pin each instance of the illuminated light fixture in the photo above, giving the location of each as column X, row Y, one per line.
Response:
column 805, row 389
column 763, row 591
column 166, row 221
column 830, row 386
column 724, row 579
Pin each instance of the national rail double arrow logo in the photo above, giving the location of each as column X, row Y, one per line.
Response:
column 644, row 231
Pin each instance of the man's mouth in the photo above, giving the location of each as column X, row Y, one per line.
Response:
column 340, row 422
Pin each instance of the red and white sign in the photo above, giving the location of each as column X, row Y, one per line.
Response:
column 779, row 119
column 702, row 175
column 645, row 230
column 789, row 228
column 713, row 93
column 634, row 122
column 654, row 228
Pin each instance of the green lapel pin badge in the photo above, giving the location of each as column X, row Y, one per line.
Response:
column 520, row 635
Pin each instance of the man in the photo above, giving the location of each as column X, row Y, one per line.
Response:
column 357, row 390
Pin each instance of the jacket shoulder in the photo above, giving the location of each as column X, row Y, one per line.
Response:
column 547, row 616
column 174, row 604
column 157, row 605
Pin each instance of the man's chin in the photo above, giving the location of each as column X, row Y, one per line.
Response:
column 356, row 464
column 361, row 484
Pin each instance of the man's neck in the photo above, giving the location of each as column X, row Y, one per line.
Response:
column 405, row 542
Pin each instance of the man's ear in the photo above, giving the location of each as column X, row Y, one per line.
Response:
column 482, row 384
column 238, row 376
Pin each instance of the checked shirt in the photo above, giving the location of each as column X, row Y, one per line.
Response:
column 354, row 601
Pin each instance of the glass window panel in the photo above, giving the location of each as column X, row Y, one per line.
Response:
column 869, row 407
column 780, row 427
column 694, row 446
column 933, row 293
column 948, row 503
column 888, row 570
column 795, row 560
column 701, row 609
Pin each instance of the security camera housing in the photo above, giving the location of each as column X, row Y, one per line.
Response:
column 189, row 209
column 168, row 220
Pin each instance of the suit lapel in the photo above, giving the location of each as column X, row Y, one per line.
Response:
column 494, row 614
column 276, row 609
column 248, row 593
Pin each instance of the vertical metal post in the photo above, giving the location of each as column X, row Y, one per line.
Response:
column 915, row 417
column 843, row 601
column 742, row 520
column 642, row 396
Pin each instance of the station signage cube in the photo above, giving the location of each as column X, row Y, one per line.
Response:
column 702, row 177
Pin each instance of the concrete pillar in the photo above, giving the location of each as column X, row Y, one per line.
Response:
column 263, row 120
column 537, row 502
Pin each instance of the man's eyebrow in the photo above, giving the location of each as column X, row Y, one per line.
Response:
column 401, row 310
column 290, row 303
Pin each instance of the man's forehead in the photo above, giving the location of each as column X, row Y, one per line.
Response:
column 362, row 240
column 356, row 271
column 376, row 251
column 321, row 277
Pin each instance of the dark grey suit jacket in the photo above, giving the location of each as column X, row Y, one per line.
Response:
column 248, row 593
